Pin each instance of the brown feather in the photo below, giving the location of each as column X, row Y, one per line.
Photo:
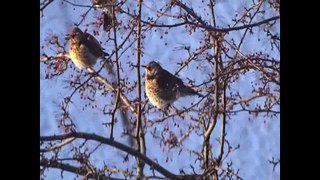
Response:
column 92, row 44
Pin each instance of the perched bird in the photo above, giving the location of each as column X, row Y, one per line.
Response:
column 84, row 49
column 162, row 87
column 107, row 6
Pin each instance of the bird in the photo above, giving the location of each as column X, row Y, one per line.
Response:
column 107, row 6
column 84, row 49
column 163, row 88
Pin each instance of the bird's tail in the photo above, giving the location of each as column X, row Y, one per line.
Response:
column 187, row 91
column 108, row 66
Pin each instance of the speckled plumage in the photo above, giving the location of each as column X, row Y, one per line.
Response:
column 84, row 49
column 162, row 87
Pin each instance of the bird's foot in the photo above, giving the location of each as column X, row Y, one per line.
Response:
column 166, row 110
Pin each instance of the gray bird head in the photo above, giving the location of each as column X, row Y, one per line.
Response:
column 75, row 35
column 152, row 68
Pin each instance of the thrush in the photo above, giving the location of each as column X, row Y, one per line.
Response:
column 163, row 88
column 107, row 6
column 84, row 49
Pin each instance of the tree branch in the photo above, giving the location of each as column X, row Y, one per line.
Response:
column 118, row 70
column 209, row 130
column 79, row 5
column 210, row 28
column 191, row 12
column 112, row 143
column 73, row 169
column 63, row 143
column 110, row 87
column 139, row 132
column 223, row 123
column 45, row 5
column 203, row 24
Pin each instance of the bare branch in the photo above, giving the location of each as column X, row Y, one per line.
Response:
column 152, row 24
column 205, row 25
column 73, row 169
column 63, row 143
column 112, row 143
column 190, row 11
column 223, row 124
column 78, row 5
column 45, row 5
column 118, row 71
column 139, row 131
column 110, row 87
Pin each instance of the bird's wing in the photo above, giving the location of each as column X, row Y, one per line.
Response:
column 167, row 85
column 168, row 81
column 92, row 44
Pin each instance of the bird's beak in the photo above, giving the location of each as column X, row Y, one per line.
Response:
column 144, row 66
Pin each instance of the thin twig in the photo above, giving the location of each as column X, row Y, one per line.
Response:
column 84, row 16
column 45, row 5
column 139, row 132
column 118, row 72
column 110, row 87
column 78, row 5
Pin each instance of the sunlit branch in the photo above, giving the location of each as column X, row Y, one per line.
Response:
column 59, row 145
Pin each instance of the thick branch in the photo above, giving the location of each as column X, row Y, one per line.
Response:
column 73, row 169
column 210, row 28
column 115, row 144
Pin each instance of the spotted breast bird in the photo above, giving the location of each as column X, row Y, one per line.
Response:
column 162, row 87
column 84, row 49
column 107, row 6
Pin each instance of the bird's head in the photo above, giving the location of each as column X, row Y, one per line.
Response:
column 75, row 35
column 152, row 68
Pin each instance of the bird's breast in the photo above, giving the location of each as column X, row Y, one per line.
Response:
column 158, row 97
column 81, row 56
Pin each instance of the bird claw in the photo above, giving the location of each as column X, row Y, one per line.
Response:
column 166, row 110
